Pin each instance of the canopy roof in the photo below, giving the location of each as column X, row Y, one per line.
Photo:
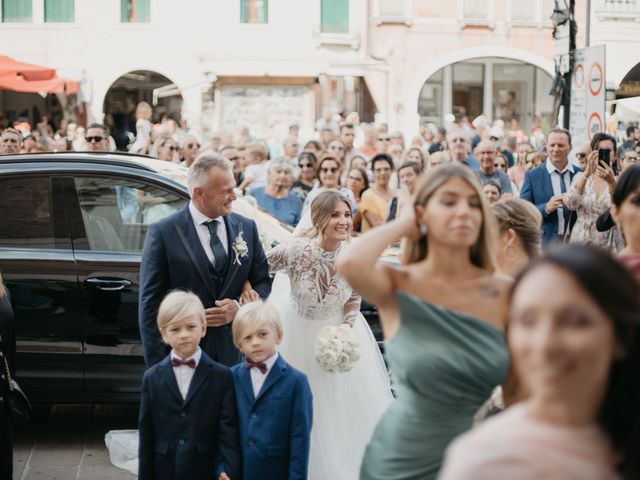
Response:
column 26, row 77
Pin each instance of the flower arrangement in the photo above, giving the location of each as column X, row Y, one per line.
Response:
column 240, row 249
column 337, row 348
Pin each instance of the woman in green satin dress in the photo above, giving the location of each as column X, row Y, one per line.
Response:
column 443, row 313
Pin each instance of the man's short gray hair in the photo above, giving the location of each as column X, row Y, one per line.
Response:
column 199, row 169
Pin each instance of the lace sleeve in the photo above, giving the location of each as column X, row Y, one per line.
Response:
column 278, row 258
column 573, row 197
column 351, row 309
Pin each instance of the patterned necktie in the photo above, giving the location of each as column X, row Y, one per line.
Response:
column 219, row 253
column 176, row 362
column 259, row 365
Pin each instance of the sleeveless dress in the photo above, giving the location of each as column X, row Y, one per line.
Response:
column 310, row 295
column 444, row 365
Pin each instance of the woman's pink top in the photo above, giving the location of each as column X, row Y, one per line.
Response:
column 513, row 446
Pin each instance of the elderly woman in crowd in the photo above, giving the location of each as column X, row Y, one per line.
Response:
column 166, row 148
column 276, row 196
column 377, row 199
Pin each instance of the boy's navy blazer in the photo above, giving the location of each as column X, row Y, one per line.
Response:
column 191, row 439
column 537, row 189
column 275, row 427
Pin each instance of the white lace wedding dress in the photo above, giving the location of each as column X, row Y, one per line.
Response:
column 310, row 294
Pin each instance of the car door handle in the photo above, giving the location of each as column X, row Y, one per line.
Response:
column 108, row 284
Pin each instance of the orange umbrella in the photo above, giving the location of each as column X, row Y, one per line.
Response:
column 30, row 72
column 26, row 77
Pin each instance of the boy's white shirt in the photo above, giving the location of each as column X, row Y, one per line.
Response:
column 183, row 373
column 258, row 378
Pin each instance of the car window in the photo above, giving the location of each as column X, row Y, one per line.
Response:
column 116, row 212
column 27, row 213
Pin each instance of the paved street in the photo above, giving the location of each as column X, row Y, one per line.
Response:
column 67, row 443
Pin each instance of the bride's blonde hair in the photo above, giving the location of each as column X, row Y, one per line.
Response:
column 322, row 208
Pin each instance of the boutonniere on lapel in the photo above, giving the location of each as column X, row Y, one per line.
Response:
column 240, row 249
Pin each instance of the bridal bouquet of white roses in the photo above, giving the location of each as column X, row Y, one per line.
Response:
column 337, row 348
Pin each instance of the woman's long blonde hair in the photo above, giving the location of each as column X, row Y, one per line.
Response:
column 481, row 252
column 322, row 208
column 3, row 289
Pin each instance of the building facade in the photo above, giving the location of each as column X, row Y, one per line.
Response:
column 272, row 63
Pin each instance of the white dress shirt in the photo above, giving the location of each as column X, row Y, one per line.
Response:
column 557, row 189
column 184, row 373
column 199, row 220
column 258, row 378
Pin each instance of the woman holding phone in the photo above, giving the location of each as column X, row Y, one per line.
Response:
column 590, row 195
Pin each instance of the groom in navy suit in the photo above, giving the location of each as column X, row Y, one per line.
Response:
column 545, row 186
column 206, row 249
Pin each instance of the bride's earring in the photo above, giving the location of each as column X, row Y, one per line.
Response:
column 423, row 230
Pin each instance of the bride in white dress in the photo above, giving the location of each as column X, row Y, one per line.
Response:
column 310, row 296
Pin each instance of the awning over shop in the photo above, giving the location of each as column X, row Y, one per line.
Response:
column 29, row 78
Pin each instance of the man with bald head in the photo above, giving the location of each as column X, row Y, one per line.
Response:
column 485, row 153
column 458, row 144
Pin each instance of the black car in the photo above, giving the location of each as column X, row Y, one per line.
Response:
column 71, row 233
column 72, row 227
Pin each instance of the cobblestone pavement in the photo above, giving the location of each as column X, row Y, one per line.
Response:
column 66, row 442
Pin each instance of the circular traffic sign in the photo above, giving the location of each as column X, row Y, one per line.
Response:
column 578, row 75
column 595, row 79
column 595, row 125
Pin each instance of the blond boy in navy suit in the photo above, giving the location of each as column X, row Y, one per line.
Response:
column 188, row 421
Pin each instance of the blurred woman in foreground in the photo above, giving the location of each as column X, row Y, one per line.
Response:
column 573, row 337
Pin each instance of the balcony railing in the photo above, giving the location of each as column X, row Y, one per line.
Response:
column 619, row 10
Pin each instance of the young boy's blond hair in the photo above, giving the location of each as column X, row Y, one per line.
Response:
column 252, row 316
column 178, row 305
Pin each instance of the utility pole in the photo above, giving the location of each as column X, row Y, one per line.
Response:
column 563, row 20
column 573, row 32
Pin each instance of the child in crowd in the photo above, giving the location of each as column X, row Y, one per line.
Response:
column 274, row 399
column 188, row 421
column 256, row 173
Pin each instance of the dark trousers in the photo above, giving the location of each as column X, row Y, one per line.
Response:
column 6, row 445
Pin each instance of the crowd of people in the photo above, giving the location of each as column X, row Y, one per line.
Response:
column 508, row 354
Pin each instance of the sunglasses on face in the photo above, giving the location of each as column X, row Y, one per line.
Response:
column 329, row 169
column 498, row 165
column 305, row 165
column 193, row 145
column 581, row 155
column 96, row 139
column 384, row 139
